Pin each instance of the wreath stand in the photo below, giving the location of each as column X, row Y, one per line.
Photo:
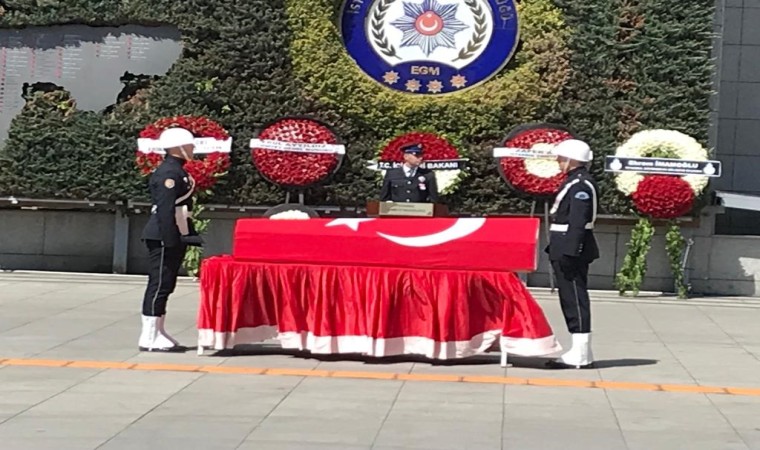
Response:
column 300, row 198
column 684, row 266
column 655, row 203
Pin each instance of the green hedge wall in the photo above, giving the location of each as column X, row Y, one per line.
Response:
column 606, row 68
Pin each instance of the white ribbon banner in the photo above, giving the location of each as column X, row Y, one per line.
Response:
column 202, row 146
column 437, row 165
column 524, row 153
column 298, row 147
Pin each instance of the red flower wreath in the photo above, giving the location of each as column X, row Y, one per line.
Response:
column 515, row 171
column 296, row 169
column 205, row 171
column 663, row 196
column 436, row 148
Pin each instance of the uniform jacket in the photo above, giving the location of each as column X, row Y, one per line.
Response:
column 573, row 216
column 421, row 188
column 171, row 193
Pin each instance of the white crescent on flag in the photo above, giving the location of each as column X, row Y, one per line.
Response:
column 461, row 228
column 350, row 223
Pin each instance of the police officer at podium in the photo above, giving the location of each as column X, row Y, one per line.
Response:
column 168, row 233
column 572, row 248
column 410, row 183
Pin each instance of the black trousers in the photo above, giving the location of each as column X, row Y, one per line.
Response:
column 572, row 282
column 165, row 263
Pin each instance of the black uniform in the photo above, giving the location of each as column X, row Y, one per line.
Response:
column 421, row 187
column 171, row 190
column 572, row 246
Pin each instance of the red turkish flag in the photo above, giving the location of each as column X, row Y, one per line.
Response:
column 493, row 244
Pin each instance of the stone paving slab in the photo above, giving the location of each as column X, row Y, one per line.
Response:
column 655, row 341
column 560, row 437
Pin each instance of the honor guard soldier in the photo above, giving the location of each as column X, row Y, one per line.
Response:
column 410, row 183
column 572, row 248
column 168, row 233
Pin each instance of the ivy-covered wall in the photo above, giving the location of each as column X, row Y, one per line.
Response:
column 606, row 68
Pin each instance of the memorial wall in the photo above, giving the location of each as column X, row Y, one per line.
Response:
column 88, row 62
column 246, row 65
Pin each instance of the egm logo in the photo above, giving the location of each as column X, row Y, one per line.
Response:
column 430, row 46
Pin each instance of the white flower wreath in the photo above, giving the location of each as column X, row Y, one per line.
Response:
column 643, row 143
column 542, row 167
column 447, row 180
column 292, row 214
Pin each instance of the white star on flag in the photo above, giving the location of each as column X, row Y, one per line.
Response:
column 350, row 223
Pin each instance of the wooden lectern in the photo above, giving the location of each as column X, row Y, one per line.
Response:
column 377, row 208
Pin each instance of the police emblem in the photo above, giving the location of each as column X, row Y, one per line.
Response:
column 430, row 46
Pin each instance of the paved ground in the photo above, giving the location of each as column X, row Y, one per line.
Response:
column 672, row 375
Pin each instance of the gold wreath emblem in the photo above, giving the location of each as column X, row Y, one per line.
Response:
column 478, row 35
column 377, row 25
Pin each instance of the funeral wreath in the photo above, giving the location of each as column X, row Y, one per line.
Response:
column 535, row 171
column 657, row 196
column 440, row 155
column 296, row 152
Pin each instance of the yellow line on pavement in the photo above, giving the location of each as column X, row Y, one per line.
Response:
column 272, row 371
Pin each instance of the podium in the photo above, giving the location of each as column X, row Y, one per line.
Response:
column 377, row 208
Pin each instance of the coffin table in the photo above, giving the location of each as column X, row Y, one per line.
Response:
column 440, row 288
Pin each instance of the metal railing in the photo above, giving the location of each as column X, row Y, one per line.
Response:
column 35, row 204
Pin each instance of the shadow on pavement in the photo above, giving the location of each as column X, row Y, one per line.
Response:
column 624, row 362
column 266, row 349
column 478, row 360
column 540, row 363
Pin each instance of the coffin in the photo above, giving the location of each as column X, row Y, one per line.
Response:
column 478, row 244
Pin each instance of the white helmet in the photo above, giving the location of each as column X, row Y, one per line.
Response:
column 175, row 137
column 575, row 150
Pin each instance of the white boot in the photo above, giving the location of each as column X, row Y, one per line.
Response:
column 148, row 333
column 153, row 341
column 580, row 354
column 162, row 330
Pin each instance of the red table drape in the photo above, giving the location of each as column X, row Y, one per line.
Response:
column 376, row 311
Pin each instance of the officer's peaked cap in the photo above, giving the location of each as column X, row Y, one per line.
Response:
column 575, row 150
column 175, row 137
column 412, row 148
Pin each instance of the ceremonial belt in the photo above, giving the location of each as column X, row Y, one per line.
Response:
column 564, row 227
